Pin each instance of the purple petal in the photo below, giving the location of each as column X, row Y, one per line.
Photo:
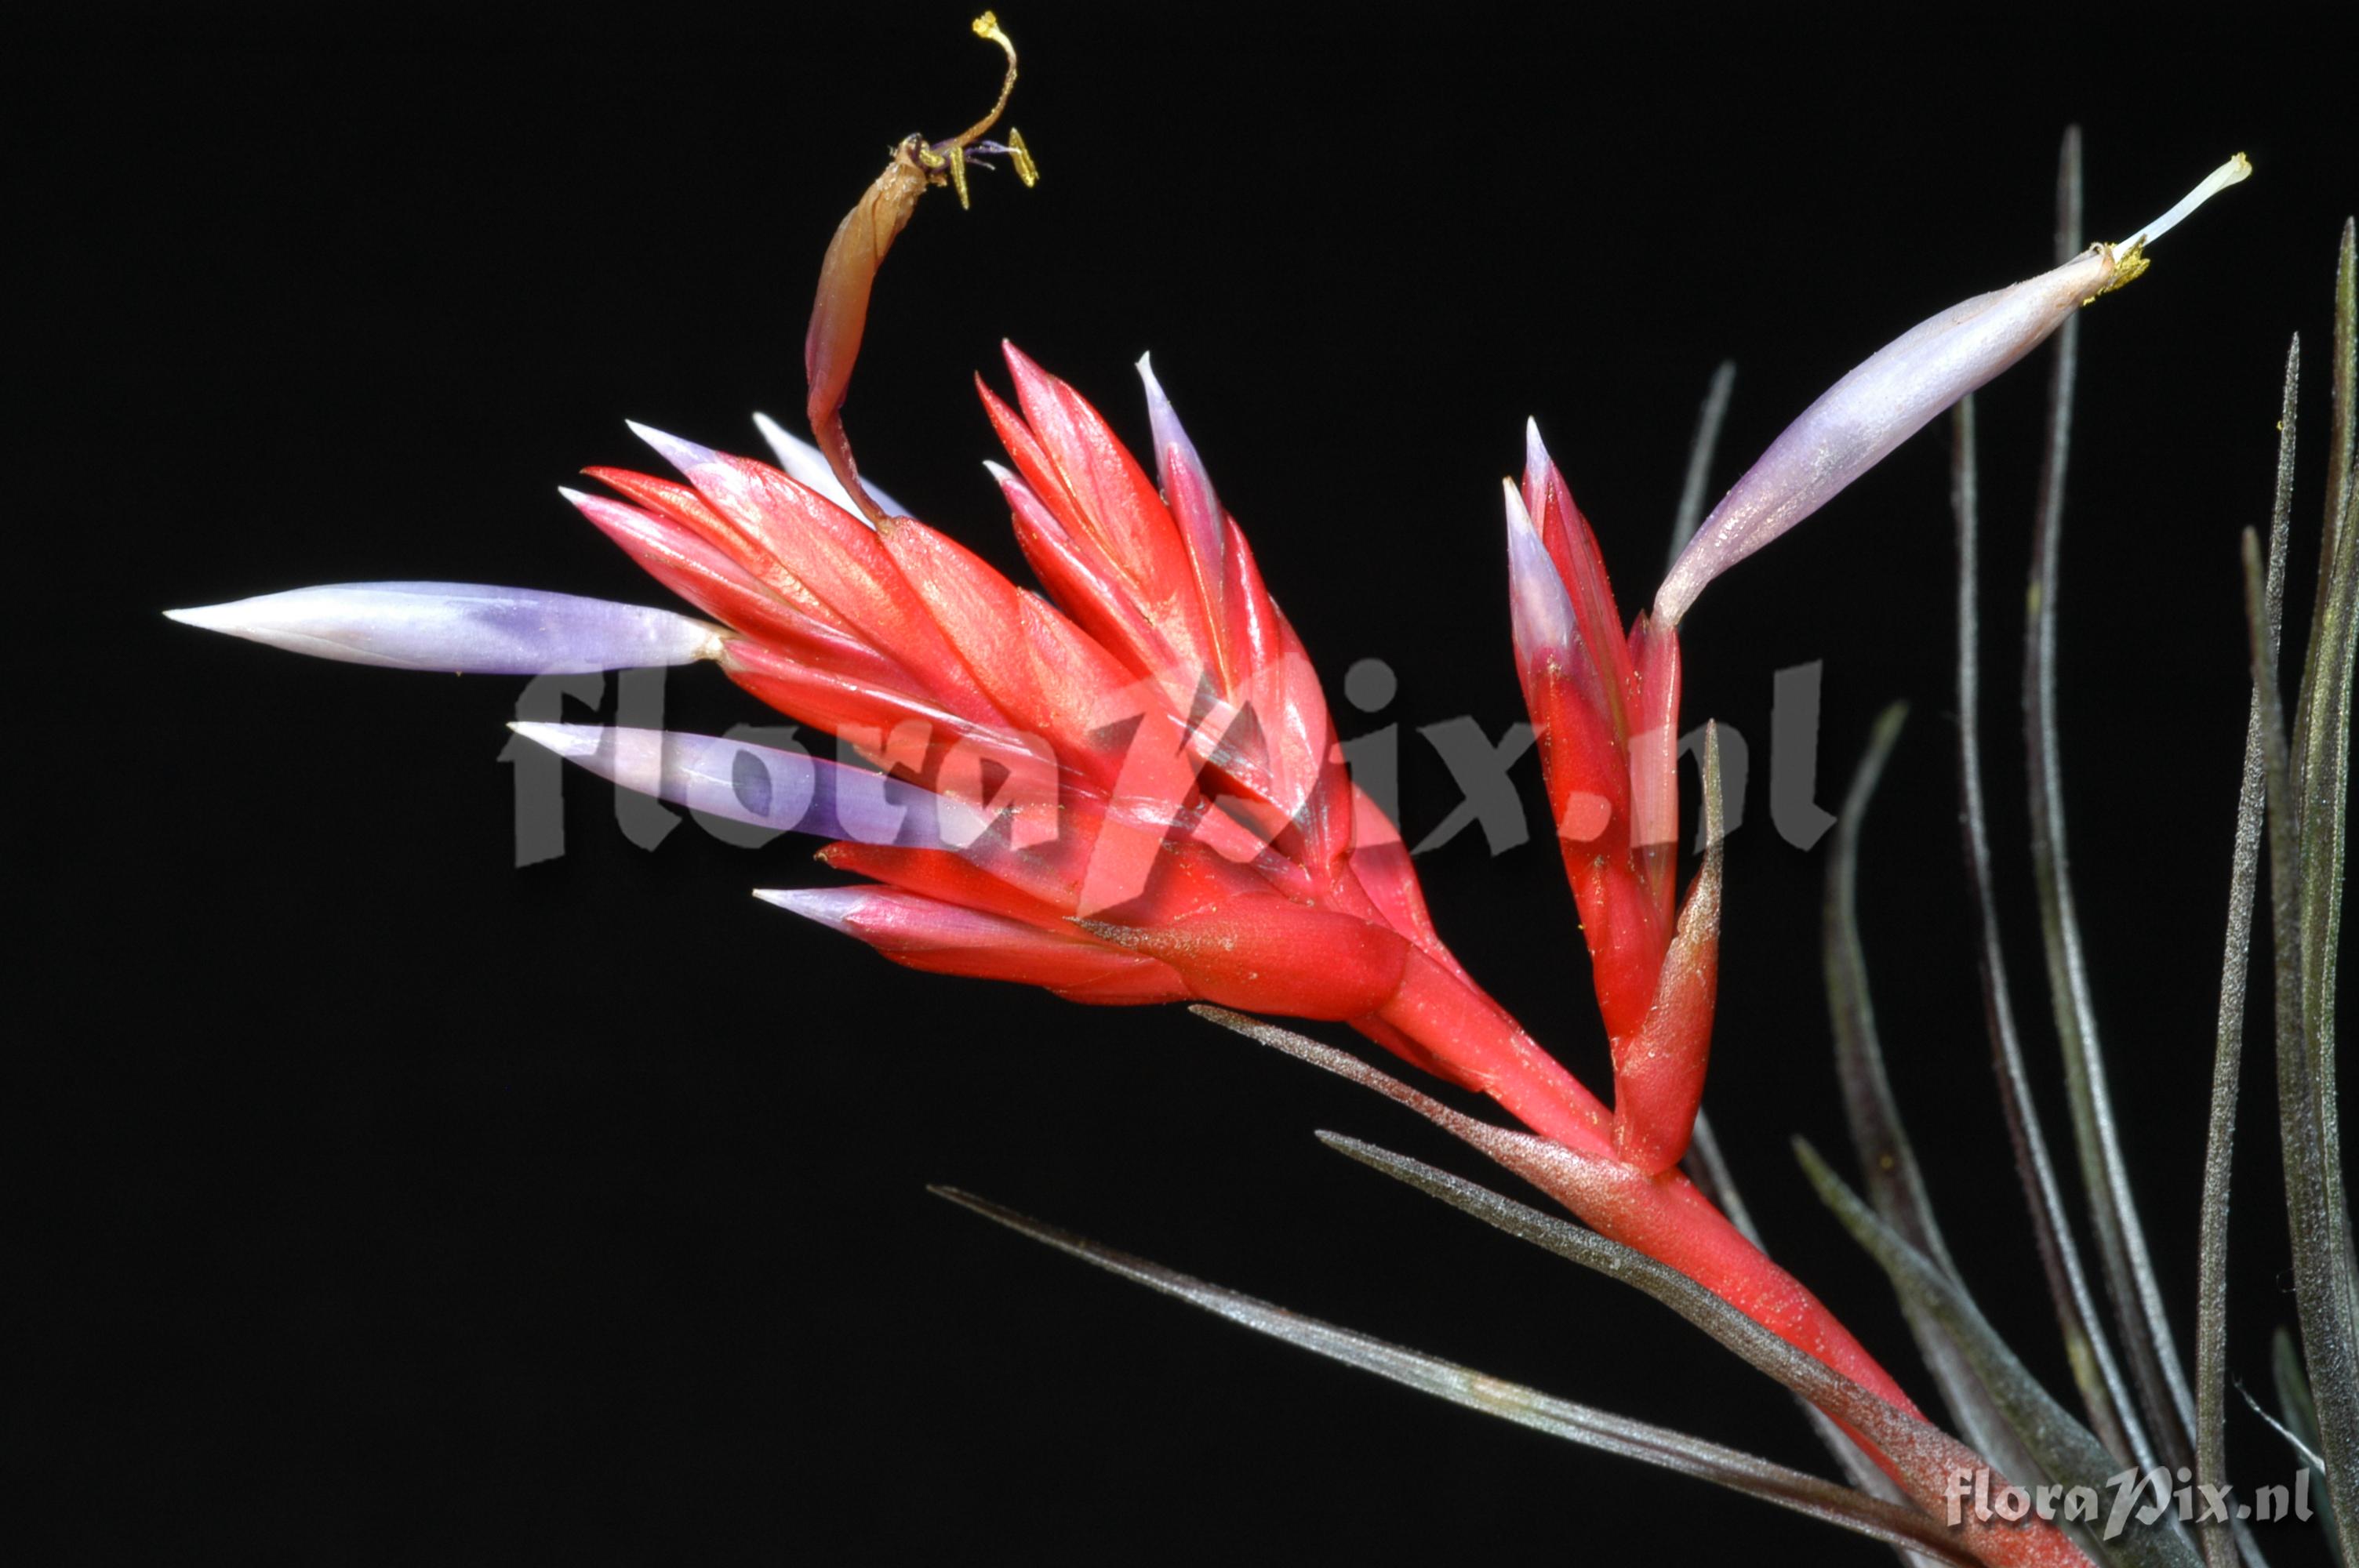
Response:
column 764, row 786
column 1885, row 400
column 1891, row 396
column 464, row 627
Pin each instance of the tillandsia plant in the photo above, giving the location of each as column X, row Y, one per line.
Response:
column 1129, row 789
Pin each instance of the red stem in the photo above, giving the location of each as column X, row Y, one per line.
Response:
column 1663, row 1216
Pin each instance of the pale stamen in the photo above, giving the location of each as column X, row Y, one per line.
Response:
column 2230, row 173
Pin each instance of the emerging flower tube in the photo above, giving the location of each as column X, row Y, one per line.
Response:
column 1891, row 396
column 462, row 627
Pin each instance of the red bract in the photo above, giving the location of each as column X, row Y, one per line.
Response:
column 1169, row 814
column 1605, row 708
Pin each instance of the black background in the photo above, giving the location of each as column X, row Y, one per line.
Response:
column 380, row 1202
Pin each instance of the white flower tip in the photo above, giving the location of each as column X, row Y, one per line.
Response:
column 807, row 467
column 1535, row 454
column 573, row 496
column 1519, row 522
column 565, row 739
column 2235, row 171
column 261, row 619
column 802, row 461
column 830, row 907
column 1164, row 421
column 685, row 456
column 1196, row 505
column 999, row 472
column 1542, row 608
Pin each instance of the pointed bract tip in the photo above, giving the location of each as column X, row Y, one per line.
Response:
column 565, row 739
column 1536, row 453
column 682, row 455
column 1187, row 485
column 1155, row 400
column 830, row 907
column 1542, row 608
column 1026, row 372
column 1519, row 520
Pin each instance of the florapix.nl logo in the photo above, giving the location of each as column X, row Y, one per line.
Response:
column 755, row 781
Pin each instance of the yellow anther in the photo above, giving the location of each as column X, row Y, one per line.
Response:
column 957, row 160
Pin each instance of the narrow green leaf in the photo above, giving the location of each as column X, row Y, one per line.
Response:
column 1826, row 1500
column 2227, row 1061
column 2326, row 1272
column 2104, row 1393
column 2325, row 1291
column 1708, row 1168
column 1892, row 1429
column 1895, row 1183
column 2139, row 1315
column 2301, row 1424
column 1924, row 1452
column 2067, row 1451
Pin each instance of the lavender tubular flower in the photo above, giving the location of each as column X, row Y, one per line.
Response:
column 462, row 627
column 764, row 786
column 1856, row 422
